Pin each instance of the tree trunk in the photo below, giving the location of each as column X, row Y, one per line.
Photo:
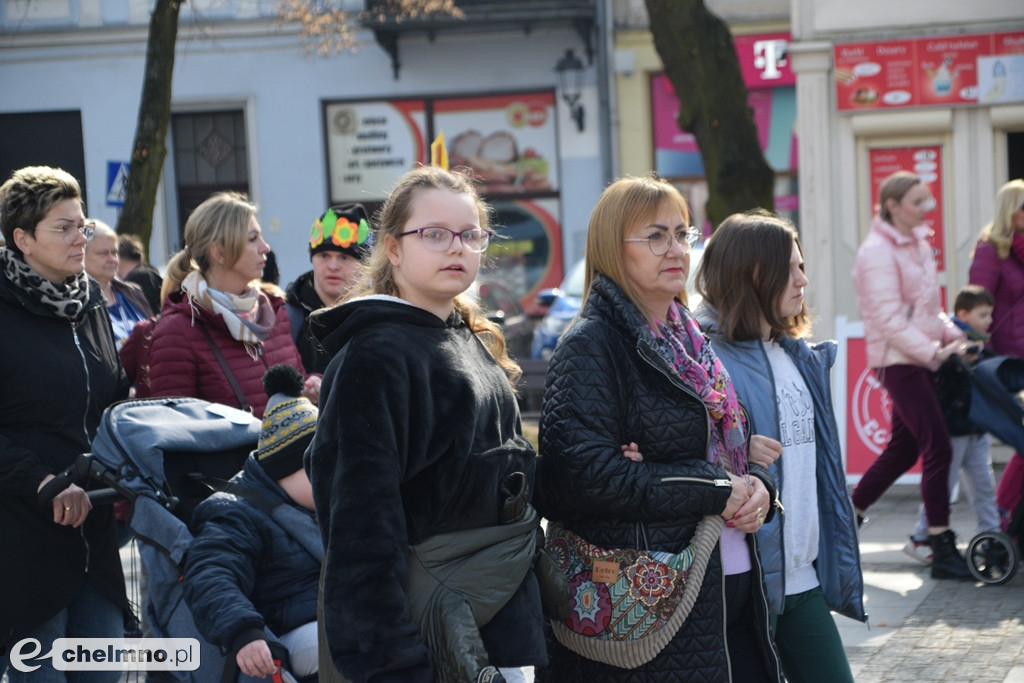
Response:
column 700, row 60
column 148, row 148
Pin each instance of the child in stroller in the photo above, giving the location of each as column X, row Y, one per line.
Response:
column 255, row 561
column 166, row 455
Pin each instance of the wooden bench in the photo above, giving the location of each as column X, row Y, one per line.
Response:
column 531, row 387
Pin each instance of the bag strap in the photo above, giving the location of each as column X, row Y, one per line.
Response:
column 239, row 394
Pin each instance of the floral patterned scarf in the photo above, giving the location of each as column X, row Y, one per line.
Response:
column 684, row 346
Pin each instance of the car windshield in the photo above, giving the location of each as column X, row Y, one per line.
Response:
column 573, row 285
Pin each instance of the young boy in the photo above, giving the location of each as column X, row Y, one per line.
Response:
column 972, row 314
column 255, row 561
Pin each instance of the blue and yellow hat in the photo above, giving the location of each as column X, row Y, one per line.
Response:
column 289, row 422
column 343, row 228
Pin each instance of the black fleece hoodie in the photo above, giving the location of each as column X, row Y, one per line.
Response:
column 417, row 426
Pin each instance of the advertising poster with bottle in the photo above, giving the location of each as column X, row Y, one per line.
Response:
column 371, row 144
column 923, row 72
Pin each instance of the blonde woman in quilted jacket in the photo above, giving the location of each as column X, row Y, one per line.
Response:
column 908, row 337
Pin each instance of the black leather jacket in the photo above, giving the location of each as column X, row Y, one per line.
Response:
column 606, row 386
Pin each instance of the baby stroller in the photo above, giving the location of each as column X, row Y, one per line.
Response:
column 166, row 455
column 993, row 557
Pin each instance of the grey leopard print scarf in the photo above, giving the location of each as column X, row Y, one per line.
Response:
column 65, row 300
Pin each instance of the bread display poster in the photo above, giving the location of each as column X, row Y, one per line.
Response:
column 507, row 141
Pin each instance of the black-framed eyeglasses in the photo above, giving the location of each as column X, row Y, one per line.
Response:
column 70, row 231
column 660, row 240
column 440, row 239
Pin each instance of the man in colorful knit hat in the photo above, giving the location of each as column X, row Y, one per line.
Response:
column 252, row 571
column 338, row 240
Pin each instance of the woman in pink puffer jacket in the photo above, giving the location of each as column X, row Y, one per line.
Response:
column 908, row 337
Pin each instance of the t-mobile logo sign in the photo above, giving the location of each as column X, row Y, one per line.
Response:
column 769, row 55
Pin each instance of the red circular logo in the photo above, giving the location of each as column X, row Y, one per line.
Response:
column 872, row 412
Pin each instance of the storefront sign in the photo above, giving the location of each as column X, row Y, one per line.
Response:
column 507, row 140
column 938, row 71
column 371, row 144
column 764, row 60
column 676, row 153
column 925, row 161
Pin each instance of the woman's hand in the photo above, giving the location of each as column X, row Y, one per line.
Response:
column 958, row 348
column 254, row 659
column 741, row 492
column 71, row 506
column 632, row 451
column 763, row 450
column 751, row 514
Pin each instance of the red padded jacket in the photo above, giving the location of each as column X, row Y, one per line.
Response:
column 181, row 362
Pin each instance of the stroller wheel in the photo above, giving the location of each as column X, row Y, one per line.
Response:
column 992, row 558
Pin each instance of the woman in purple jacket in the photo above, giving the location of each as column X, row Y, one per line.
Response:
column 908, row 336
column 998, row 266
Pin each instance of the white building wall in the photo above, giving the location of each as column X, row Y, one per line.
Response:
column 263, row 67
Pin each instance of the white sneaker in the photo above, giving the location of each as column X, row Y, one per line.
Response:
column 919, row 550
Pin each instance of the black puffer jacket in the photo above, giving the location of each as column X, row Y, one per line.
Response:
column 302, row 299
column 56, row 378
column 247, row 569
column 607, row 386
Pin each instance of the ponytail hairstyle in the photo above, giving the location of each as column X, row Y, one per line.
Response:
column 222, row 220
column 378, row 275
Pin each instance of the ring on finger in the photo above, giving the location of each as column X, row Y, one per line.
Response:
column 67, row 508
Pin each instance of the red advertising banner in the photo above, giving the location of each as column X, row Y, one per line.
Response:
column 925, row 161
column 938, row 71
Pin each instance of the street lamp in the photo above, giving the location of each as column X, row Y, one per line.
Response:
column 570, row 76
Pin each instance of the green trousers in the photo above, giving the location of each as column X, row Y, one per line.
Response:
column 808, row 641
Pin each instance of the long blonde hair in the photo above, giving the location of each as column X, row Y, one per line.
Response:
column 378, row 275
column 999, row 231
column 221, row 220
column 627, row 202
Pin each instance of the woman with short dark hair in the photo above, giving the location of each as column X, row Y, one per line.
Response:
column 61, row 574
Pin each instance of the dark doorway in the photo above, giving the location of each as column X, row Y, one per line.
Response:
column 1015, row 154
column 43, row 138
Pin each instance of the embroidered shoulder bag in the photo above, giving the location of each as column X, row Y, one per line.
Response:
column 626, row 604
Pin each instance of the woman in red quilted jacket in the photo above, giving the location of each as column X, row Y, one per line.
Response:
column 218, row 331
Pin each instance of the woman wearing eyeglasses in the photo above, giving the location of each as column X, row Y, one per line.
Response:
column 419, row 460
column 908, row 336
column 635, row 369
column 61, row 575
column 219, row 332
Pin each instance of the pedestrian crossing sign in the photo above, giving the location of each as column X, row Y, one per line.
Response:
column 117, row 181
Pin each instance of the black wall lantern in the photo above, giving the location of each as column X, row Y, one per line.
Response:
column 570, row 77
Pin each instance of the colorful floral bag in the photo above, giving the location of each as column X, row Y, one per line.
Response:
column 627, row 604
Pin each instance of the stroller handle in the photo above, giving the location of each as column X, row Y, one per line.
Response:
column 74, row 472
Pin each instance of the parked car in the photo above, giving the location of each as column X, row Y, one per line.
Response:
column 565, row 300
column 501, row 306
column 563, row 303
